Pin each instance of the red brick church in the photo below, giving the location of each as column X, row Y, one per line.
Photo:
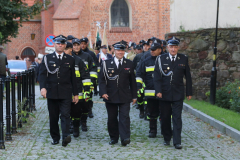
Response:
column 126, row 19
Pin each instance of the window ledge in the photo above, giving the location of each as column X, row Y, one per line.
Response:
column 120, row 30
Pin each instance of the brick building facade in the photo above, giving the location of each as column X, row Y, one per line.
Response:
column 145, row 18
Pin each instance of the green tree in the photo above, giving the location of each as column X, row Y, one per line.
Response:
column 12, row 14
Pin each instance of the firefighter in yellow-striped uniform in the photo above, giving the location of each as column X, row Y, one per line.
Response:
column 145, row 75
column 89, row 62
column 79, row 111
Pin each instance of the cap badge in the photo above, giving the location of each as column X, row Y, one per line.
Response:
column 155, row 41
column 174, row 38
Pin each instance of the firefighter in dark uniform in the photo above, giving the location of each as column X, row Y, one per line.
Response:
column 79, row 111
column 117, row 86
column 58, row 84
column 88, row 60
column 139, row 51
column 93, row 74
column 169, row 87
column 145, row 74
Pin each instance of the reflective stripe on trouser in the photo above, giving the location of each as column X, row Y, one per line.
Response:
column 149, row 93
column 150, row 69
column 87, row 82
column 94, row 74
column 98, row 69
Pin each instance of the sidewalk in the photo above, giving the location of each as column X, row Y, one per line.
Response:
column 199, row 140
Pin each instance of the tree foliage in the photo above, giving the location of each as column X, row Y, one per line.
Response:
column 12, row 15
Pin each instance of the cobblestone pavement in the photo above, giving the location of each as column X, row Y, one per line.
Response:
column 199, row 140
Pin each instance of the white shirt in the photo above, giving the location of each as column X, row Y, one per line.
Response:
column 172, row 56
column 58, row 54
column 117, row 62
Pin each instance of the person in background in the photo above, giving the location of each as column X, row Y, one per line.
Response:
column 3, row 63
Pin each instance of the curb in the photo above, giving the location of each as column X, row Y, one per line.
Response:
column 225, row 129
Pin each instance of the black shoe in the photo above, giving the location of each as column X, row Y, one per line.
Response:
column 178, row 146
column 66, row 141
column 76, row 132
column 125, row 142
column 90, row 115
column 84, row 127
column 152, row 135
column 141, row 115
column 54, row 142
column 166, row 143
column 113, row 142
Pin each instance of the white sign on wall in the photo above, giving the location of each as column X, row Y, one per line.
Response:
column 49, row 49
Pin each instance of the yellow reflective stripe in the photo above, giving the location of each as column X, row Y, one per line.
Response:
column 87, row 82
column 145, row 102
column 149, row 93
column 139, row 80
column 98, row 69
column 77, row 73
column 93, row 74
column 150, row 69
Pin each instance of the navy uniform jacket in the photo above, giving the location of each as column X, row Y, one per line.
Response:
column 82, row 74
column 145, row 74
column 173, row 90
column 61, row 85
column 122, row 90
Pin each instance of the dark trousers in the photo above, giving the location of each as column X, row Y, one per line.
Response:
column 58, row 107
column 3, row 78
column 174, row 109
column 122, row 126
column 95, row 86
column 79, row 110
column 153, row 108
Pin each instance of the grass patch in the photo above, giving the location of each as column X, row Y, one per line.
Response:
column 229, row 117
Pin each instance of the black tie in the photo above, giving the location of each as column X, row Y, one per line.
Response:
column 119, row 64
column 173, row 59
column 59, row 58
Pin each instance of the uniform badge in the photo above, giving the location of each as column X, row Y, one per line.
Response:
column 112, row 71
column 168, row 68
column 152, row 75
column 167, row 58
column 112, row 62
column 178, row 58
column 53, row 56
column 54, row 65
column 110, row 74
column 108, row 71
column 65, row 57
column 165, row 71
column 124, row 61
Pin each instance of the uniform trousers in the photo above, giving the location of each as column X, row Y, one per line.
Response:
column 78, row 109
column 175, row 109
column 153, row 108
column 58, row 107
column 122, row 126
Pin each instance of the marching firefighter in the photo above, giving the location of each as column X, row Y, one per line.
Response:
column 88, row 60
column 79, row 111
column 145, row 75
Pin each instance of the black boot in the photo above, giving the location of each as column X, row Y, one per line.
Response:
column 76, row 128
column 90, row 114
column 84, row 122
column 71, row 127
column 153, row 128
column 141, row 115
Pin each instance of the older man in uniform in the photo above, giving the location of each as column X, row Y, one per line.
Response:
column 169, row 87
column 58, row 84
column 118, row 88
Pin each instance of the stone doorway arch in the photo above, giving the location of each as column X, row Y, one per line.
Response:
column 30, row 53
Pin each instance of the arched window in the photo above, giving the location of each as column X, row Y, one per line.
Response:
column 28, row 52
column 120, row 14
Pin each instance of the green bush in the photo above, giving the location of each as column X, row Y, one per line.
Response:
column 229, row 96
